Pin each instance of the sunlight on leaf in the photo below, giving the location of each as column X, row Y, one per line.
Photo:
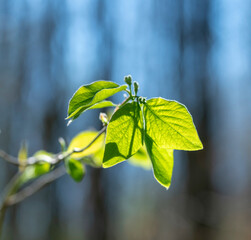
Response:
column 87, row 96
column 124, row 134
column 170, row 125
column 162, row 161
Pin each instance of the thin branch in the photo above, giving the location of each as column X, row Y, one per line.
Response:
column 35, row 186
column 8, row 158
column 79, row 150
column 10, row 188
column 52, row 160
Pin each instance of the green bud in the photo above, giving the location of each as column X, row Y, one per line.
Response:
column 128, row 80
column 136, row 87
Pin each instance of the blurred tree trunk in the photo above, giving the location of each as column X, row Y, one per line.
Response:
column 98, row 195
column 195, row 34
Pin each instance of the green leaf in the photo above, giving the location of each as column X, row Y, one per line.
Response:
column 36, row 170
column 162, row 161
column 86, row 96
column 170, row 125
column 75, row 169
column 141, row 159
column 82, row 140
column 33, row 171
column 124, row 135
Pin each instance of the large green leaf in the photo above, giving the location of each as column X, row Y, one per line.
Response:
column 88, row 95
column 162, row 161
column 141, row 159
column 124, row 134
column 82, row 140
column 170, row 125
column 75, row 169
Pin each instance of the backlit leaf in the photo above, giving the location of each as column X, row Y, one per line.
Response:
column 33, row 171
column 124, row 135
column 86, row 96
column 170, row 125
column 75, row 169
column 162, row 161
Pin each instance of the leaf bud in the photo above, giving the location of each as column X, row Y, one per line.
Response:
column 128, row 80
column 103, row 118
column 136, row 87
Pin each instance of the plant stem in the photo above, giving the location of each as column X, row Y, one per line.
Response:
column 10, row 189
column 35, row 186
column 77, row 150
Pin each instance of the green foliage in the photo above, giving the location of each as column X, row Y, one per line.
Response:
column 143, row 132
column 157, row 125
column 124, row 135
column 75, row 169
column 33, row 171
column 87, row 96
column 170, row 125
column 162, row 161
column 42, row 167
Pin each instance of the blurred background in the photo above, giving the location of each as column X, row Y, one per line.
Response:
column 197, row 52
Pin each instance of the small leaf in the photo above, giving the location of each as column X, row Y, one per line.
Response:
column 75, row 169
column 162, row 161
column 124, row 135
column 82, row 140
column 86, row 96
column 141, row 159
column 170, row 125
column 22, row 155
column 33, row 171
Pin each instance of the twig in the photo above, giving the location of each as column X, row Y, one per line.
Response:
column 79, row 150
column 10, row 188
column 9, row 158
column 35, row 186
column 52, row 160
